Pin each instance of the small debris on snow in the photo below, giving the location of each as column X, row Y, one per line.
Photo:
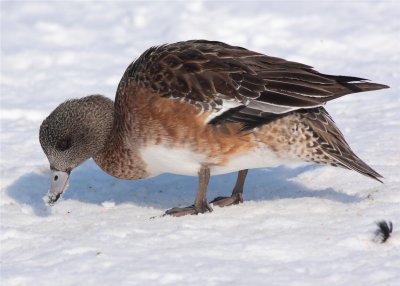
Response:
column 383, row 232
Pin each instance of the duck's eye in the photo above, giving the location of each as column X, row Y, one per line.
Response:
column 64, row 144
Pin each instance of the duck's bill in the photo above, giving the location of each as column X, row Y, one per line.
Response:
column 59, row 183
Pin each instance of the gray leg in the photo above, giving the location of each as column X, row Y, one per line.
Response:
column 237, row 193
column 200, row 203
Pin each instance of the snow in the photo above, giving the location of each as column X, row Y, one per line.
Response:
column 307, row 225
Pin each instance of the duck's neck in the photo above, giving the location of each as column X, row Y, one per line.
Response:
column 117, row 152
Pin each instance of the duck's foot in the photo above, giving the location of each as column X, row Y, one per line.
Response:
column 237, row 193
column 228, row 201
column 192, row 210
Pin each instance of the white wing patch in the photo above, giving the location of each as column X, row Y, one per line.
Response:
column 226, row 105
column 253, row 104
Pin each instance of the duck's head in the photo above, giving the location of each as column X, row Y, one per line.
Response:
column 74, row 132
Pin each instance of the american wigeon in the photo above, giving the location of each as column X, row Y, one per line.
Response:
column 203, row 108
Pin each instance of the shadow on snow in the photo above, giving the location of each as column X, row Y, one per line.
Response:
column 89, row 184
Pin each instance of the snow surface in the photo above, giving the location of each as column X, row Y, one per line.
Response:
column 309, row 225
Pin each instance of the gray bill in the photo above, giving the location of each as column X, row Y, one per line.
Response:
column 59, row 183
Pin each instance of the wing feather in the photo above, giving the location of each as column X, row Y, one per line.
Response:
column 210, row 73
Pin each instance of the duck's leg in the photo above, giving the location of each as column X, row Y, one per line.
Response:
column 200, row 204
column 237, row 193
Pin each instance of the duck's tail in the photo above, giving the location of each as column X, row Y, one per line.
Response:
column 331, row 143
column 366, row 86
column 352, row 84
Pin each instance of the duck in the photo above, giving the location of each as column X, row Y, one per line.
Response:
column 203, row 108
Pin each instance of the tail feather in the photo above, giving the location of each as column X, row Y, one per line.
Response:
column 351, row 84
column 366, row 86
column 353, row 162
column 333, row 144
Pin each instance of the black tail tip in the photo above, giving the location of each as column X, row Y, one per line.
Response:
column 379, row 178
column 385, row 229
column 381, row 86
column 366, row 86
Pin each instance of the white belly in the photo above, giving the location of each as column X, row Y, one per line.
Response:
column 161, row 159
column 260, row 158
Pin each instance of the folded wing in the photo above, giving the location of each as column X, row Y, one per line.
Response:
column 236, row 84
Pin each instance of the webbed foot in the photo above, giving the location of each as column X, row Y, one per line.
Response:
column 228, row 201
column 192, row 210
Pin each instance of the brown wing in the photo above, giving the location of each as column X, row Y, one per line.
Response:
column 238, row 84
column 333, row 144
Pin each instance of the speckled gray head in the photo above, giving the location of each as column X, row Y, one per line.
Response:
column 74, row 132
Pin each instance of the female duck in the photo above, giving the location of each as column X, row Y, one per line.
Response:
column 202, row 108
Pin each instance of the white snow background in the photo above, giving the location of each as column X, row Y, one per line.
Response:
column 310, row 225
